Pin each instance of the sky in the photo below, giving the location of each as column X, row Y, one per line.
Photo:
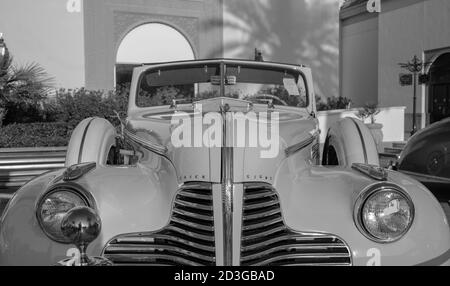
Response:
column 139, row 46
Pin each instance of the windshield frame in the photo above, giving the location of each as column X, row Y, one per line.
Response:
column 222, row 63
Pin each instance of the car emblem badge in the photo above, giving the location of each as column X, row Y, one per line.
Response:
column 372, row 171
column 77, row 171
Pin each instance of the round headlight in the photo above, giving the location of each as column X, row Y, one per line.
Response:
column 385, row 213
column 52, row 208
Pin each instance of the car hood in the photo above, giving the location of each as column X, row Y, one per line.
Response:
column 210, row 128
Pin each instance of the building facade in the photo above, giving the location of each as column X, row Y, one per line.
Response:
column 78, row 41
column 95, row 44
column 373, row 44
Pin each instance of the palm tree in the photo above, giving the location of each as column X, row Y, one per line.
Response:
column 22, row 85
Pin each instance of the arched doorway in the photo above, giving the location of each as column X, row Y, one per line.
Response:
column 150, row 43
column 439, row 89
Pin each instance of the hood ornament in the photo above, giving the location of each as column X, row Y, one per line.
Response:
column 372, row 171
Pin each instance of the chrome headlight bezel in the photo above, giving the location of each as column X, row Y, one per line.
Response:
column 68, row 187
column 370, row 191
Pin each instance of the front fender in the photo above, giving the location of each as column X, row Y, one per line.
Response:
column 128, row 199
column 321, row 199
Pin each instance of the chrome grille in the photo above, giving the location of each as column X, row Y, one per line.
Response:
column 267, row 241
column 188, row 239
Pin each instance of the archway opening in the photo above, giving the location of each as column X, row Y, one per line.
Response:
column 150, row 43
column 439, row 88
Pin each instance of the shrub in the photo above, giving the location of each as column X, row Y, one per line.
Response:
column 333, row 103
column 73, row 107
column 19, row 135
column 369, row 110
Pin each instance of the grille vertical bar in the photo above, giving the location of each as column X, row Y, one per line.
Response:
column 187, row 240
column 267, row 241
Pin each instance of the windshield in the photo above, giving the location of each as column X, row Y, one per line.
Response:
column 256, row 84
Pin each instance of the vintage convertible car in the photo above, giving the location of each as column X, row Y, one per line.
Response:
column 426, row 157
column 218, row 163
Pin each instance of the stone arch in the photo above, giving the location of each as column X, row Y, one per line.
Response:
column 143, row 34
column 125, row 22
column 148, row 42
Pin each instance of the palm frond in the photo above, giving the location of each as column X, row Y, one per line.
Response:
column 31, row 73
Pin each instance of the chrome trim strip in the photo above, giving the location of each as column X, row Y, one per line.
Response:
column 260, row 205
column 300, row 255
column 192, row 215
column 140, row 239
column 191, row 224
column 151, row 146
column 287, row 238
column 77, row 171
column 258, row 196
column 80, row 152
column 238, row 202
column 374, row 172
column 195, row 186
column 366, row 160
column 218, row 223
column 145, row 258
column 226, row 177
column 300, row 247
column 264, row 223
column 263, row 214
column 190, row 233
column 289, row 151
column 194, row 195
column 194, row 205
column 264, row 233
column 142, row 249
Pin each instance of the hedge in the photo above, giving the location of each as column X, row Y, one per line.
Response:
column 58, row 117
column 18, row 135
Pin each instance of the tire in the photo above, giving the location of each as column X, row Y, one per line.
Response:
column 93, row 140
column 349, row 141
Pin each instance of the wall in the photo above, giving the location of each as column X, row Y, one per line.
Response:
column 292, row 31
column 46, row 33
column 359, row 60
column 401, row 36
column 392, row 118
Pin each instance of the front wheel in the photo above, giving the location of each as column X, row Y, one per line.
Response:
column 349, row 141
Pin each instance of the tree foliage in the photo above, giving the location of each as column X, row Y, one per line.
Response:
column 22, row 89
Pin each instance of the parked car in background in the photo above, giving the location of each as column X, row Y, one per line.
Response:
column 154, row 195
column 426, row 157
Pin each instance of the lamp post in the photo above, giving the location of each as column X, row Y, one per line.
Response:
column 415, row 67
